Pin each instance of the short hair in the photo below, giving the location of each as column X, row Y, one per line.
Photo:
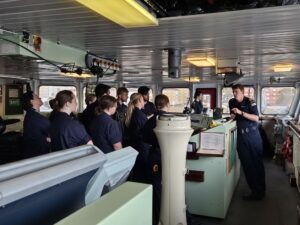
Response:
column 122, row 90
column 143, row 90
column 63, row 97
column 238, row 86
column 105, row 102
column 89, row 98
column 25, row 100
column 101, row 89
column 197, row 93
column 161, row 101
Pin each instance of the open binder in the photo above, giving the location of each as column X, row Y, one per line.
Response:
column 212, row 143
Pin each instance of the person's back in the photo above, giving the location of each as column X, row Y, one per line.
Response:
column 135, row 122
column 89, row 113
column 105, row 131
column 66, row 132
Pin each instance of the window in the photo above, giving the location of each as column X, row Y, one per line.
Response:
column 47, row 93
column 206, row 101
column 178, row 97
column 227, row 95
column 276, row 100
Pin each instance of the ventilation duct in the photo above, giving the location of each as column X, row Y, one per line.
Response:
column 174, row 63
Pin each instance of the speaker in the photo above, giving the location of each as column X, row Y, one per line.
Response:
column 174, row 63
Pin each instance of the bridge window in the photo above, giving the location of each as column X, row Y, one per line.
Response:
column 227, row 95
column 47, row 93
column 178, row 97
column 276, row 100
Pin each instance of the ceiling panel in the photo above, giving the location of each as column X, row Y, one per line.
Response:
column 257, row 38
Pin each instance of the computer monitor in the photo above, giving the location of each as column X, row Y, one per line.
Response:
column 47, row 188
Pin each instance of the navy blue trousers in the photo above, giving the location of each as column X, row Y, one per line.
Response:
column 250, row 150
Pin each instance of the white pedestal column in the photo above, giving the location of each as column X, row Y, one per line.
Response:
column 173, row 133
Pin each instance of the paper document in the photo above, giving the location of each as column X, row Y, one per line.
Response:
column 212, row 141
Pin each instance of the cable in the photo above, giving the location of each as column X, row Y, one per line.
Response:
column 37, row 55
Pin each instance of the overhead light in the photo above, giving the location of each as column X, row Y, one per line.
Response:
column 76, row 75
column 283, row 68
column 201, row 61
column 126, row 13
column 192, row 79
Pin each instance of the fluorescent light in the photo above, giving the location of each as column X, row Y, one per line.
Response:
column 192, row 79
column 201, row 61
column 75, row 75
column 283, row 68
column 127, row 13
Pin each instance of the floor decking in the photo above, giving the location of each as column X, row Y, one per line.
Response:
column 278, row 208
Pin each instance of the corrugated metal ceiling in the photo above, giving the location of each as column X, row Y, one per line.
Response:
column 258, row 38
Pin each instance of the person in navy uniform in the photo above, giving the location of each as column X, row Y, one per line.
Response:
column 197, row 103
column 149, row 108
column 90, row 111
column 65, row 131
column 162, row 104
column 105, row 131
column 122, row 95
column 135, row 121
column 249, row 142
column 36, row 127
column 89, row 99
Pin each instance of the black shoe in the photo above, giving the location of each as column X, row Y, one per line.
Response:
column 254, row 196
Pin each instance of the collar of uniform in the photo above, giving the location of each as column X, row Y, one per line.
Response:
column 104, row 114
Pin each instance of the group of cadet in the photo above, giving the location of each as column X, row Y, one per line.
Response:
column 106, row 122
column 110, row 124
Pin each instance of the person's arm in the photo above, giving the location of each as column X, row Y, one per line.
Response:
column 117, row 146
column 232, row 116
column 249, row 116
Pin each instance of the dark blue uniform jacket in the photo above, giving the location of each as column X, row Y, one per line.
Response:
column 35, row 132
column 66, row 132
column 88, row 115
column 149, row 108
column 121, row 108
column 105, row 132
column 197, row 106
column 248, row 106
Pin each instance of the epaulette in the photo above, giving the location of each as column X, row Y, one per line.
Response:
column 252, row 102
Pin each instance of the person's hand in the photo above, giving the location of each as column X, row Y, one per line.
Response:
column 236, row 111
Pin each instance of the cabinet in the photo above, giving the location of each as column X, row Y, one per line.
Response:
column 212, row 196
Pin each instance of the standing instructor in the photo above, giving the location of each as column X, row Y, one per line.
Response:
column 249, row 142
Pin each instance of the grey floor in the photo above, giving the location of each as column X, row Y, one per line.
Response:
column 278, row 208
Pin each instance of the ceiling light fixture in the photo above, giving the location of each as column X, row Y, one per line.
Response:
column 192, row 79
column 126, row 13
column 76, row 75
column 283, row 68
column 201, row 61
